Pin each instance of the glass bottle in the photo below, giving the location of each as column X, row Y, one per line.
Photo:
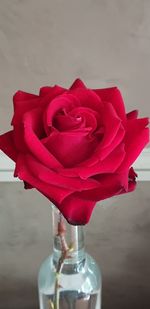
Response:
column 69, row 278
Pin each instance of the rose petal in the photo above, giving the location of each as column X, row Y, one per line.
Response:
column 131, row 181
column 50, row 177
column 132, row 186
column 64, row 101
column 18, row 136
column 67, row 122
column 77, row 207
column 109, row 165
column 70, row 147
column 37, row 126
column 54, row 193
column 27, row 185
column 23, row 102
column 137, row 136
column 78, row 83
column 109, row 185
column 132, row 174
column 21, row 96
column 35, row 146
column 76, row 210
column 103, row 152
column 7, row 145
column 37, row 123
column 113, row 95
column 51, row 91
column 87, row 98
column 88, row 115
column 111, row 123
column 132, row 114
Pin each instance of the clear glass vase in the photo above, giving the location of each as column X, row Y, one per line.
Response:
column 69, row 278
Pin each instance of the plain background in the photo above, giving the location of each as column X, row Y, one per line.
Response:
column 105, row 43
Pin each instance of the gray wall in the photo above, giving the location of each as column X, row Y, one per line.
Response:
column 105, row 42
column 47, row 42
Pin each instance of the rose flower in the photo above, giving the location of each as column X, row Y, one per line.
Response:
column 76, row 146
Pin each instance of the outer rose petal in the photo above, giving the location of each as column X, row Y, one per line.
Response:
column 18, row 136
column 78, row 83
column 36, row 121
column 111, row 124
column 21, row 96
column 7, row 145
column 48, row 176
column 76, row 210
column 132, row 174
column 132, row 115
column 27, row 185
column 132, row 186
column 137, row 136
column 113, row 95
column 51, row 91
column 77, row 207
column 131, row 181
column 109, row 185
column 54, row 193
column 23, row 102
column 37, row 127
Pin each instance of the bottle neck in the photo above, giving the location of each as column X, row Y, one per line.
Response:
column 68, row 240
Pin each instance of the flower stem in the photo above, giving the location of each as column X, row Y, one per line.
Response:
column 51, row 304
column 65, row 249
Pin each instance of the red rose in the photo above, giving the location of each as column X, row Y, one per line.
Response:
column 75, row 146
